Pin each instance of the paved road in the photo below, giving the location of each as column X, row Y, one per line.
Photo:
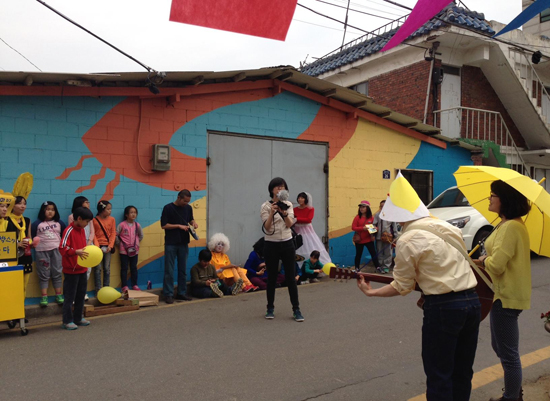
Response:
column 349, row 348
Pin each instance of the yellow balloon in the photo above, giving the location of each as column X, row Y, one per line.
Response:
column 108, row 295
column 95, row 256
column 326, row 268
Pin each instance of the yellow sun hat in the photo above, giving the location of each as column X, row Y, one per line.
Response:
column 403, row 204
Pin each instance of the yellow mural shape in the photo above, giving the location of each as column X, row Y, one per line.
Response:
column 355, row 173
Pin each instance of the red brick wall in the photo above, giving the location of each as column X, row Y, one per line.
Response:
column 404, row 90
column 478, row 93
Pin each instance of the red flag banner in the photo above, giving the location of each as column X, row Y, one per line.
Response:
column 264, row 18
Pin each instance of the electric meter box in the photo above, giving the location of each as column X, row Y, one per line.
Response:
column 161, row 158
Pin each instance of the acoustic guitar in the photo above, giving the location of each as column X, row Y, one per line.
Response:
column 484, row 292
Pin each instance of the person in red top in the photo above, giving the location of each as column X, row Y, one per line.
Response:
column 105, row 233
column 364, row 217
column 71, row 247
column 311, row 242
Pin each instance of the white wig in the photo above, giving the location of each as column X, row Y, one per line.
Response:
column 216, row 239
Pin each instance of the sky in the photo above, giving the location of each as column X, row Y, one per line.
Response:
column 142, row 29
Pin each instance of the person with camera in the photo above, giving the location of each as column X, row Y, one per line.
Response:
column 175, row 220
column 277, row 218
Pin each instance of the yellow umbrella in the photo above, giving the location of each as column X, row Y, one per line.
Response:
column 475, row 184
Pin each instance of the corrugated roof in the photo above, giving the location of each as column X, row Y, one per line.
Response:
column 134, row 84
column 370, row 45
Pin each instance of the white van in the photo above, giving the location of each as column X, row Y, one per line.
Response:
column 452, row 206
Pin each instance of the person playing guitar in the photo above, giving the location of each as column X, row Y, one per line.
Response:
column 428, row 254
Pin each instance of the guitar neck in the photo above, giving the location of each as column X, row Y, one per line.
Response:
column 339, row 273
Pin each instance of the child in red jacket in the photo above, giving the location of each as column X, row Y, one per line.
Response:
column 75, row 283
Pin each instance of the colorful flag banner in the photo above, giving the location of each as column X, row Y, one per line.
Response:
column 423, row 11
column 532, row 11
column 265, row 18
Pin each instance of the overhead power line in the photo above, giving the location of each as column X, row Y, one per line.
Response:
column 15, row 50
column 354, row 27
column 357, row 11
column 97, row 37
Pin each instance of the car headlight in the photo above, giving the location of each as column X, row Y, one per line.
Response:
column 459, row 222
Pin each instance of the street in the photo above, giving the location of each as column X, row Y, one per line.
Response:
column 350, row 347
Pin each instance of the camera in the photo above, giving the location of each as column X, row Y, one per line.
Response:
column 282, row 206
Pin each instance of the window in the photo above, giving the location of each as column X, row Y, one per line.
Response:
column 422, row 182
column 545, row 15
column 362, row 88
column 449, row 198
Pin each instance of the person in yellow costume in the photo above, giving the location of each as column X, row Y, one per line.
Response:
column 6, row 206
column 22, row 225
column 228, row 272
column 430, row 253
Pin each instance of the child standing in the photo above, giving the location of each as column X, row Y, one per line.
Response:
column 204, row 279
column 48, row 228
column 311, row 268
column 82, row 201
column 129, row 235
column 105, row 231
column 74, row 287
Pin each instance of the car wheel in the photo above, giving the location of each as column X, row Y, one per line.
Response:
column 481, row 235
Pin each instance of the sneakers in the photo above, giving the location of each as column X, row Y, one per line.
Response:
column 303, row 282
column 313, row 280
column 70, row 326
column 86, row 297
column 136, row 288
column 236, row 288
column 251, row 287
column 169, row 299
column 124, row 289
column 83, row 322
column 183, row 297
column 59, row 298
column 270, row 314
column 44, row 301
column 216, row 290
column 386, row 271
column 298, row 316
column 380, row 270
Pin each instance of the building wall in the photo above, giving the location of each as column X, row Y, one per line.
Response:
column 404, row 90
column 478, row 93
column 101, row 148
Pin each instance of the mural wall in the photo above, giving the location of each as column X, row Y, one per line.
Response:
column 101, row 148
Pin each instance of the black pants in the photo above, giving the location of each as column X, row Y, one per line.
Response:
column 359, row 253
column 284, row 251
column 74, row 290
column 132, row 260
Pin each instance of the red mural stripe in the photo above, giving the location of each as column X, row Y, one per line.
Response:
column 111, row 186
column 93, row 180
column 69, row 170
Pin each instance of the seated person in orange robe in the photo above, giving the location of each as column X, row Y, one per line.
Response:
column 228, row 272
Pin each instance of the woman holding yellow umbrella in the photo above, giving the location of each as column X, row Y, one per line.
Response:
column 509, row 265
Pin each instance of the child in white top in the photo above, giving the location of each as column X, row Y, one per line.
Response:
column 48, row 230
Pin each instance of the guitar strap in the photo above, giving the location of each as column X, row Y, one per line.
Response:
column 454, row 244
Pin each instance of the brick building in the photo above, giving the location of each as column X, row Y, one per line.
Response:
column 450, row 73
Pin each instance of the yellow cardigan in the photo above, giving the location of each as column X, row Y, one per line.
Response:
column 509, row 264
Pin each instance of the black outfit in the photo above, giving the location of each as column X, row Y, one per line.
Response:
column 284, row 251
column 172, row 214
column 359, row 254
